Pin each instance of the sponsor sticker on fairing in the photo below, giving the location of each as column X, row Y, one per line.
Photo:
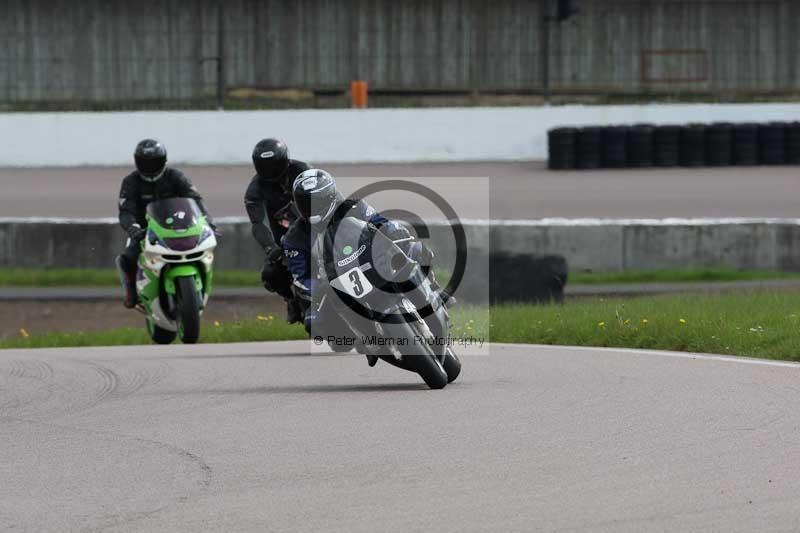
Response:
column 351, row 258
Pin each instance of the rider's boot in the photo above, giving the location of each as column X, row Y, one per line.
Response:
column 128, row 280
column 294, row 311
column 447, row 299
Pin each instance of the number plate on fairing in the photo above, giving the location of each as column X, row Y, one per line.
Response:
column 353, row 282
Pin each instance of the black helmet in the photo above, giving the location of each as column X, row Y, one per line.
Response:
column 314, row 193
column 271, row 158
column 151, row 158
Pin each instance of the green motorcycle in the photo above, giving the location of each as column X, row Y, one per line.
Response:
column 175, row 272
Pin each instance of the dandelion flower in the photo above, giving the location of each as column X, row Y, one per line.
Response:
column 216, row 323
column 601, row 324
column 644, row 321
column 682, row 320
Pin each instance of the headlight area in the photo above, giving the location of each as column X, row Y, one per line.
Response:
column 208, row 258
column 153, row 260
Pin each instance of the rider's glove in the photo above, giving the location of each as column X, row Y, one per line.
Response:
column 420, row 253
column 274, row 254
column 136, row 233
column 398, row 233
column 274, row 274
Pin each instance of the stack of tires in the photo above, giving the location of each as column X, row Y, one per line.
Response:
column 666, row 146
column 588, row 148
column 615, row 147
column 792, row 143
column 771, row 144
column 561, row 148
column 745, row 144
column 640, row 146
column 692, row 145
column 718, row 144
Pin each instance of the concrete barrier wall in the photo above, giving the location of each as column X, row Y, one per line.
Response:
column 772, row 244
column 335, row 136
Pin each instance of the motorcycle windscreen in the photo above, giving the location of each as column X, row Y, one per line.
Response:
column 175, row 213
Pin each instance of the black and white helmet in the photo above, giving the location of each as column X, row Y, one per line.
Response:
column 315, row 195
column 151, row 159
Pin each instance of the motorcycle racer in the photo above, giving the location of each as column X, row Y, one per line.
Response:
column 268, row 200
column 152, row 180
column 317, row 200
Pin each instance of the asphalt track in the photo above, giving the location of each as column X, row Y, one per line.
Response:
column 270, row 437
column 516, row 190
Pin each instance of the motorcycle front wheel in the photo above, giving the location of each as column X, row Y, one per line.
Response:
column 159, row 335
column 451, row 364
column 188, row 315
column 421, row 358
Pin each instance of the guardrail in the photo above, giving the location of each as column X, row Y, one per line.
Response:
column 514, row 260
column 587, row 244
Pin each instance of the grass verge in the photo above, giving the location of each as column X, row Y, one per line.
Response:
column 100, row 277
column 761, row 324
column 678, row 275
column 19, row 277
column 244, row 331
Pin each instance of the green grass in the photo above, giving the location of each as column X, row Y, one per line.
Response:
column 244, row 331
column 19, row 277
column 98, row 277
column 760, row 324
column 677, row 275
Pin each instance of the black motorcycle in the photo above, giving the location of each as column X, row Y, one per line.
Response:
column 384, row 300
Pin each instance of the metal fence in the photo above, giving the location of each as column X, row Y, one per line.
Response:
column 186, row 52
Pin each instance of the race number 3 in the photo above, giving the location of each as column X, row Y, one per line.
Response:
column 355, row 277
column 353, row 282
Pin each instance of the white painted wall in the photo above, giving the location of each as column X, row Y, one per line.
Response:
column 334, row 136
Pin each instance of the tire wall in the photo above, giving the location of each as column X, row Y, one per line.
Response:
column 715, row 144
